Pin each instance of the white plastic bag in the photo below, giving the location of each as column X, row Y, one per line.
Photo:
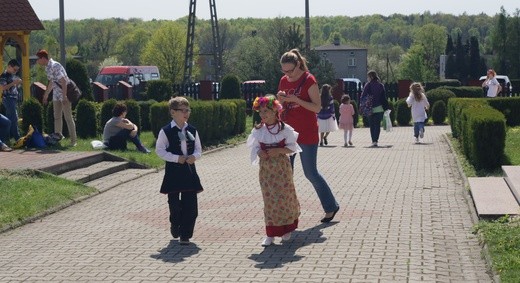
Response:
column 387, row 125
column 97, row 144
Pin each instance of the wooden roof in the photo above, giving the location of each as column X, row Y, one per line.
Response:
column 18, row 15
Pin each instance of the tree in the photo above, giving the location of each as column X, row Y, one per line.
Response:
column 129, row 47
column 414, row 67
column 461, row 60
column 474, row 59
column 248, row 59
column 433, row 38
column 499, row 41
column 166, row 51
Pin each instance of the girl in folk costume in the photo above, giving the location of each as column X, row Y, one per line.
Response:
column 271, row 142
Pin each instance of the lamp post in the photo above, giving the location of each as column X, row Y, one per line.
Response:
column 62, row 34
column 307, row 27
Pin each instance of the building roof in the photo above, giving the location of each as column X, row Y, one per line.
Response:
column 18, row 15
column 337, row 47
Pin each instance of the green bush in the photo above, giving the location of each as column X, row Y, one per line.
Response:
column 86, row 125
column 439, row 112
column 437, row 94
column 403, row 113
column 466, row 91
column 160, row 117
column 133, row 112
column 32, row 114
column 240, row 116
column 78, row 73
column 230, row 87
column 433, row 85
column 159, row 90
column 106, row 112
column 509, row 106
column 145, row 114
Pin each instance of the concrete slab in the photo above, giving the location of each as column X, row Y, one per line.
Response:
column 512, row 177
column 492, row 196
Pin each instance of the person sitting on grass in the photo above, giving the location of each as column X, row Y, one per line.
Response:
column 119, row 129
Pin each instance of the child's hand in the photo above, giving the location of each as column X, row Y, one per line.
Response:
column 181, row 159
column 273, row 152
column 190, row 159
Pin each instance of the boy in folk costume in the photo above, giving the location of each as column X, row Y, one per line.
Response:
column 271, row 142
column 179, row 145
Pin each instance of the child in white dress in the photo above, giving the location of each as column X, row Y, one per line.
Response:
column 271, row 142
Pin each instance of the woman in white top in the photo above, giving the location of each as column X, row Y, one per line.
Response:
column 492, row 84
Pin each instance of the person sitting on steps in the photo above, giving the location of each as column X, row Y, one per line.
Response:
column 119, row 129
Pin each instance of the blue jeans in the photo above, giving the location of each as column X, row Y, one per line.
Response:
column 374, row 122
column 5, row 126
column 118, row 141
column 308, row 157
column 417, row 126
column 12, row 114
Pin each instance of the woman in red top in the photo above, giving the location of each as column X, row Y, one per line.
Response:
column 299, row 93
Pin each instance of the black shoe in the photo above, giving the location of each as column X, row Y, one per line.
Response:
column 184, row 241
column 175, row 231
column 325, row 141
column 321, row 143
column 329, row 219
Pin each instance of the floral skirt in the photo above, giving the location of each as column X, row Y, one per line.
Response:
column 281, row 206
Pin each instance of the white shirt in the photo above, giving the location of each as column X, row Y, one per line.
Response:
column 162, row 144
column 492, row 85
column 418, row 107
column 263, row 135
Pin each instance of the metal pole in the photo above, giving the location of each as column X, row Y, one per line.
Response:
column 307, row 27
column 62, row 34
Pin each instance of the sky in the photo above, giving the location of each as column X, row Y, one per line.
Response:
column 231, row 9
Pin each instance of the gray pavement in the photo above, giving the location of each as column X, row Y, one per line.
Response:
column 405, row 217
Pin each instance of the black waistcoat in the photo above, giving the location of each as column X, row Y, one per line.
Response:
column 180, row 177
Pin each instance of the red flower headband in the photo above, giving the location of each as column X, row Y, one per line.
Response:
column 268, row 101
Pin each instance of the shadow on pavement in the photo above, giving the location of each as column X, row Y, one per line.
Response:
column 175, row 253
column 275, row 256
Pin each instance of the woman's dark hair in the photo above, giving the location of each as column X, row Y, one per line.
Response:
column 293, row 56
column 373, row 75
column 325, row 96
column 118, row 109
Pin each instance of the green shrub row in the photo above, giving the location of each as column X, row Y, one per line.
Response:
column 481, row 130
column 509, row 106
column 215, row 120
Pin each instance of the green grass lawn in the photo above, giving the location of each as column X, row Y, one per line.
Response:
column 26, row 193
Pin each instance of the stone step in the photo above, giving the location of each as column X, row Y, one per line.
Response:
column 95, row 171
column 81, row 162
column 512, row 177
column 492, row 197
column 118, row 178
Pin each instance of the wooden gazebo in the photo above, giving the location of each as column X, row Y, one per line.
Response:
column 17, row 20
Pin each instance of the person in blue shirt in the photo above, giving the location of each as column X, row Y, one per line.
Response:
column 9, row 83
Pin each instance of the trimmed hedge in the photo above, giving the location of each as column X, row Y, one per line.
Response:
column 403, row 113
column 509, row 106
column 439, row 112
column 86, row 125
column 159, row 90
column 32, row 113
column 466, row 91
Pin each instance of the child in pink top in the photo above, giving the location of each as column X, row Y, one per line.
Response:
column 346, row 119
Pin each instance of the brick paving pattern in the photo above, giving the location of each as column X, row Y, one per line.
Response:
column 404, row 218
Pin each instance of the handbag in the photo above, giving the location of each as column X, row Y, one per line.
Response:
column 73, row 91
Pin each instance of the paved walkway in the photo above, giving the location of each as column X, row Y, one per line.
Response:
column 404, row 218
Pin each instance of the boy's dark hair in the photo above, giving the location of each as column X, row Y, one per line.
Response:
column 13, row 63
column 118, row 109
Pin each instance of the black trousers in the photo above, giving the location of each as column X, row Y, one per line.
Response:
column 183, row 212
column 374, row 121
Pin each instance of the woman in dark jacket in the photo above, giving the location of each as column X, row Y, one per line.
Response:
column 373, row 103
